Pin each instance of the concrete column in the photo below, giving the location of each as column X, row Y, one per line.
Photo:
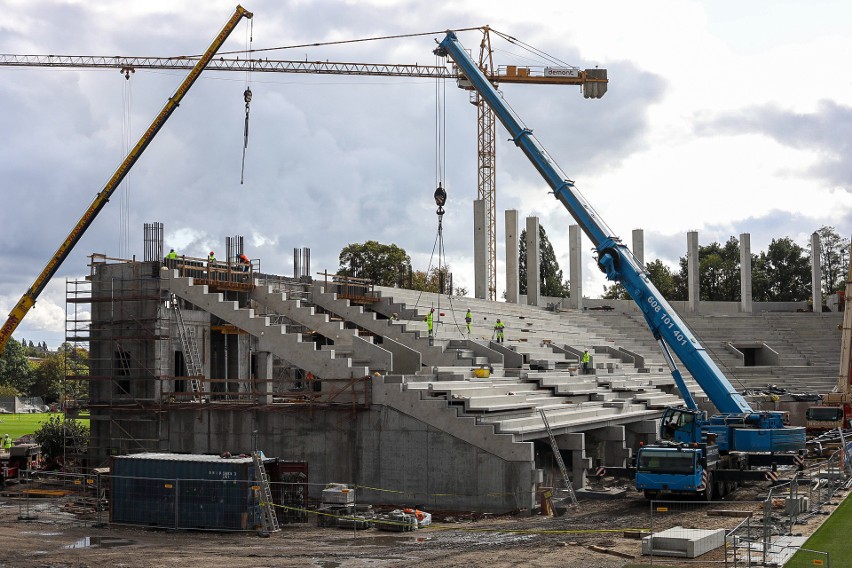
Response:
column 816, row 274
column 264, row 377
column 692, row 271
column 480, row 262
column 575, row 255
column 610, row 446
column 639, row 245
column 578, row 463
column 512, row 276
column 745, row 273
column 533, row 276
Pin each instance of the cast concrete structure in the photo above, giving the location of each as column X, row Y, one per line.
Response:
column 480, row 253
column 575, row 256
column 693, row 282
column 533, row 260
column 639, row 245
column 745, row 273
column 512, row 251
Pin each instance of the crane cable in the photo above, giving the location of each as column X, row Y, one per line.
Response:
column 126, row 129
column 247, row 98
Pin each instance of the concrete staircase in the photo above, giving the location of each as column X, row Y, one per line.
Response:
column 271, row 337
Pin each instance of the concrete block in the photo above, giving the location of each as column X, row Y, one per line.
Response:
column 684, row 543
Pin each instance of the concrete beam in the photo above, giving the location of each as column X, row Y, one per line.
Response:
column 745, row 274
column 480, row 253
column 575, row 255
column 816, row 274
column 533, row 261
column 512, row 276
column 692, row 271
column 264, row 377
column 639, row 245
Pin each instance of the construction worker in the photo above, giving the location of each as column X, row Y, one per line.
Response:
column 498, row 330
column 244, row 261
column 585, row 361
column 172, row 255
column 468, row 318
column 211, row 257
column 429, row 317
column 7, row 442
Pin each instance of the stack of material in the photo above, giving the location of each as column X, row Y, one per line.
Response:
column 338, row 500
column 397, row 521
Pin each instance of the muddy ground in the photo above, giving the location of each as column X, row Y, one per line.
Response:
column 591, row 535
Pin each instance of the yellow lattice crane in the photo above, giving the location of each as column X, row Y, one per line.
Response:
column 27, row 301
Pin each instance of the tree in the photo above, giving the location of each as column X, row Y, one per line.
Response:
column 15, row 370
column 48, row 378
column 782, row 273
column 59, row 435
column 550, row 274
column 660, row 276
column 718, row 272
column 833, row 259
column 383, row 264
column 431, row 282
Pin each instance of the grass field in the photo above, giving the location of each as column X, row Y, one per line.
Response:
column 832, row 537
column 17, row 425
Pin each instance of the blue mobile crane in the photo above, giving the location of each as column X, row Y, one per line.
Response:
column 696, row 455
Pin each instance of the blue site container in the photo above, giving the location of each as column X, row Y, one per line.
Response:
column 184, row 491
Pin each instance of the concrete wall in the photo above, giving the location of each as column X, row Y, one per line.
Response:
column 380, row 447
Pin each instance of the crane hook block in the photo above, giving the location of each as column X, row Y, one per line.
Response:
column 440, row 196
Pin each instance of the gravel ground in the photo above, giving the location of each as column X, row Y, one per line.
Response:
column 60, row 539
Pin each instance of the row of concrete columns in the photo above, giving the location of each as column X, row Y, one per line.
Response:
column 575, row 262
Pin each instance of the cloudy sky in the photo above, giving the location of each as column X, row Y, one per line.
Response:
column 722, row 117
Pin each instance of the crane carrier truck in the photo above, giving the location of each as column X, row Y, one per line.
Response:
column 696, row 453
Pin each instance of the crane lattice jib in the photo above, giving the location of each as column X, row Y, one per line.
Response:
column 28, row 299
column 613, row 257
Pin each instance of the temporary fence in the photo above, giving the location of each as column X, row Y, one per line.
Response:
column 59, row 498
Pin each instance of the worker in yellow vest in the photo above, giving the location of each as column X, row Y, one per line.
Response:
column 498, row 330
column 585, row 361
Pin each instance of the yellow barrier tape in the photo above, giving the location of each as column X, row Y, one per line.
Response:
column 456, row 527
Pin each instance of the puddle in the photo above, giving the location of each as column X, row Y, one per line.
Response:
column 386, row 540
column 103, row 542
column 326, row 563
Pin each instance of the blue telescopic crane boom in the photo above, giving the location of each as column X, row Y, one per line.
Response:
column 614, row 258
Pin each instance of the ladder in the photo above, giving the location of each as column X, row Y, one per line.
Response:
column 268, row 517
column 190, row 349
column 568, row 487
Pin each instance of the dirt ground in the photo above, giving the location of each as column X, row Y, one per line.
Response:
column 59, row 539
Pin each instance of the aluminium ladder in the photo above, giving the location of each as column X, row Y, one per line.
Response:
column 267, row 513
column 568, row 487
column 190, row 349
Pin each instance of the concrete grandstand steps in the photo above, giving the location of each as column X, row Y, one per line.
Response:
column 271, row 337
column 570, row 418
column 410, row 334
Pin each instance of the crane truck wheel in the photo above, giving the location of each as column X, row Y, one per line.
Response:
column 650, row 495
column 708, row 491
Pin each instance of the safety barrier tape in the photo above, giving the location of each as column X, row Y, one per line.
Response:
column 455, row 527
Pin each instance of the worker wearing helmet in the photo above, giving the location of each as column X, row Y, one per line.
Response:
column 468, row 318
column 7, row 442
column 211, row 257
column 498, row 330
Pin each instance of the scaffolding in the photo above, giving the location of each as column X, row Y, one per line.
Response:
column 138, row 368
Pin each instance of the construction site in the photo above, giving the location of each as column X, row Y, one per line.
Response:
column 227, row 398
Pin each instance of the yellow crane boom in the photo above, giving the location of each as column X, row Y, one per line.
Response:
column 29, row 298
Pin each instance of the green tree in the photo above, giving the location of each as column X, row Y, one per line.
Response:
column 782, row 273
column 718, row 272
column 48, row 378
column 59, row 436
column 431, row 282
column 550, row 275
column 383, row 264
column 658, row 273
column 833, row 259
column 15, row 370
